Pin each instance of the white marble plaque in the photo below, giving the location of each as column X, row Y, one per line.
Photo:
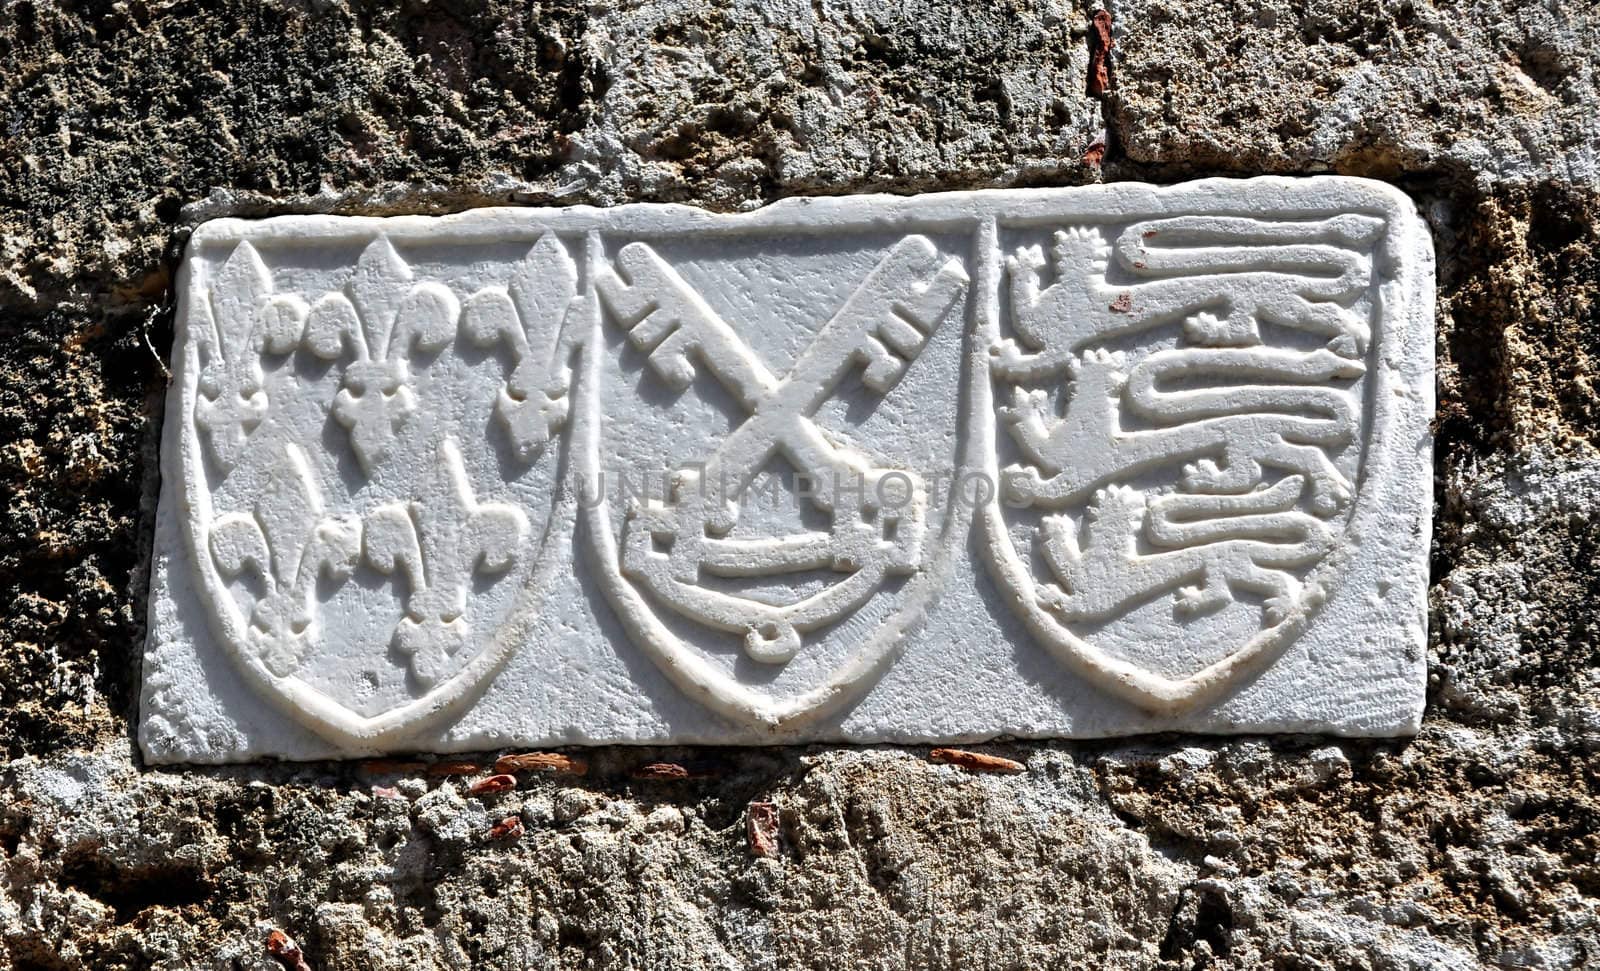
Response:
column 1055, row 462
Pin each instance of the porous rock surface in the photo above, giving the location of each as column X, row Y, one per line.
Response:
column 1475, row 844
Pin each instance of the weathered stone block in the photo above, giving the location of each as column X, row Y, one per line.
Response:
column 1039, row 462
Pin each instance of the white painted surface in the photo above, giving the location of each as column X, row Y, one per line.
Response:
column 1073, row 462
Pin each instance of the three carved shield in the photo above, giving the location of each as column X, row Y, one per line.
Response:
column 1032, row 462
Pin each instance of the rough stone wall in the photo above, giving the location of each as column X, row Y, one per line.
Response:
column 123, row 124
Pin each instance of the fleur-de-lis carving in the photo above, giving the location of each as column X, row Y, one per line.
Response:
column 288, row 542
column 440, row 541
column 382, row 315
column 528, row 315
column 240, row 318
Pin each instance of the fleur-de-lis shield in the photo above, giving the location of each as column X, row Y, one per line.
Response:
column 359, row 562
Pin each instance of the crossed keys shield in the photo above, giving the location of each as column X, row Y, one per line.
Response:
column 680, row 555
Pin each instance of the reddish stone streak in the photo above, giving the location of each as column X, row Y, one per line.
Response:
column 283, row 947
column 976, row 761
column 454, row 768
column 661, row 770
column 509, row 828
column 492, row 785
column 1123, row 303
column 761, row 827
column 674, row 770
column 1100, row 44
column 552, row 763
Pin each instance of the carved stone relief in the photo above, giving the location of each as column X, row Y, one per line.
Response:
column 1035, row 462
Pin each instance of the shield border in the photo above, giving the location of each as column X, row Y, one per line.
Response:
column 294, row 696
